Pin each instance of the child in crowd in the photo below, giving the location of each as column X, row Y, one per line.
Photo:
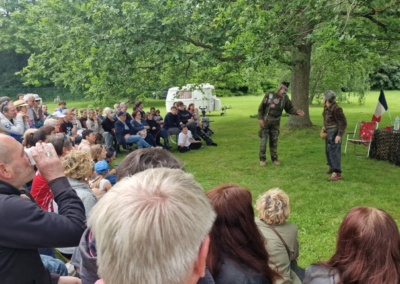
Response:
column 186, row 141
column 98, row 152
column 157, row 117
column 110, row 156
column 100, row 185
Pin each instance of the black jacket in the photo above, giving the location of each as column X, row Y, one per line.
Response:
column 25, row 227
column 108, row 125
column 120, row 131
column 184, row 116
column 171, row 121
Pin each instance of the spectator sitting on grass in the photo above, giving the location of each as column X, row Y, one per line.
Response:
column 171, row 123
column 110, row 156
column 186, row 141
column 163, row 218
column 78, row 167
column 98, row 152
column 237, row 252
column 85, row 256
column 157, row 117
column 83, row 118
column 53, row 122
column 100, row 185
column 11, row 121
column 141, row 127
column 125, row 132
column 367, row 251
column 157, row 131
column 88, row 139
column 41, row 191
column 61, row 106
column 282, row 243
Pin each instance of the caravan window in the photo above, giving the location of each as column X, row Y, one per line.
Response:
column 185, row 95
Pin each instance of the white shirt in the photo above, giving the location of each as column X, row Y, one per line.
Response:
column 182, row 136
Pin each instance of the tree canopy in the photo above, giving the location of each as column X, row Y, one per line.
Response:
column 116, row 48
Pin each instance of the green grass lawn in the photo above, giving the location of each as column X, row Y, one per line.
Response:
column 317, row 206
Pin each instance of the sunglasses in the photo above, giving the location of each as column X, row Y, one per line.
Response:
column 3, row 105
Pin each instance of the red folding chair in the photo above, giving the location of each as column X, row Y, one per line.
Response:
column 363, row 136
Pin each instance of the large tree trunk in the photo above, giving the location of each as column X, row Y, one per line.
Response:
column 300, row 85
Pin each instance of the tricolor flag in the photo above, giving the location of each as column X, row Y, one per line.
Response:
column 381, row 107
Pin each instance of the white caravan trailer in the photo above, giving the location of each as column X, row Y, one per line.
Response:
column 201, row 95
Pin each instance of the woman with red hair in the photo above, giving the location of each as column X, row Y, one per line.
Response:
column 367, row 251
column 237, row 253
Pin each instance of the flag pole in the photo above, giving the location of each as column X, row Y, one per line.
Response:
column 390, row 117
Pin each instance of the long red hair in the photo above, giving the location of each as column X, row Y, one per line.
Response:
column 368, row 247
column 235, row 232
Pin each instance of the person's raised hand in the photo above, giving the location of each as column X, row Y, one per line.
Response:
column 300, row 112
column 47, row 161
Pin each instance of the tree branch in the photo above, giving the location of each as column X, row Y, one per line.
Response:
column 382, row 25
column 379, row 38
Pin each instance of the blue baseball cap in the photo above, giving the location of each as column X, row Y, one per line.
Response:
column 101, row 167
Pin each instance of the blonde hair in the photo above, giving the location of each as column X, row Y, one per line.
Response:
column 95, row 151
column 77, row 164
column 150, row 226
column 273, row 206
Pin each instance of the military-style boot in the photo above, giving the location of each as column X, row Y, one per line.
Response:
column 166, row 145
column 207, row 139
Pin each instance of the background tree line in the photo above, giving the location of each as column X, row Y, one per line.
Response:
column 115, row 48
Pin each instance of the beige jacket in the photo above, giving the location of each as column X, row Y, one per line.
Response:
column 278, row 256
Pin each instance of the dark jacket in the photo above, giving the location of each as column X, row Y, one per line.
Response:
column 171, row 121
column 156, row 125
column 207, row 279
column 184, row 116
column 137, row 126
column 25, row 227
column 108, row 125
column 85, row 257
column 272, row 106
column 319, row 274
column 334, row 116
column 120, row 131
column 234, row 273
column 83, row 122
column 128, row 117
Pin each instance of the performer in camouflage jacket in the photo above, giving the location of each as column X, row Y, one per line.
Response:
column 269, row 116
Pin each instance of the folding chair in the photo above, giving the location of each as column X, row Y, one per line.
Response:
column 363, row 136
column 173, row 138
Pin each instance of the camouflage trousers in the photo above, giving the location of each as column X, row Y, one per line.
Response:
column 271, row 131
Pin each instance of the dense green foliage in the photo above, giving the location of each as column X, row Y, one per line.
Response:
column 11, row 63
column 118, row 48
column 387, row 76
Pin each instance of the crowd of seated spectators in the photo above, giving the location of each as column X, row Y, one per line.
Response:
column 148, row 221
column 115, row 128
